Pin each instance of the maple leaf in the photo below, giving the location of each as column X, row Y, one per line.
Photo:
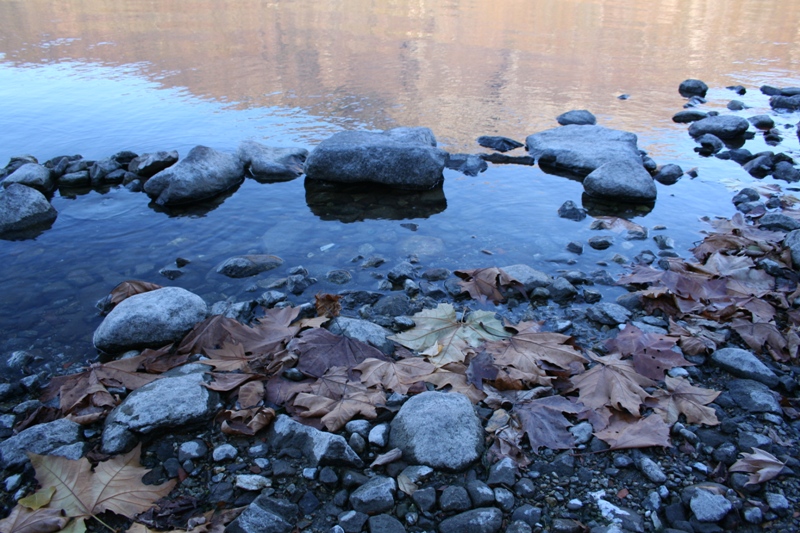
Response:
column 270, row 333
column 319, row 350
column 612, row 382
column 281, row 391
column 481, row 367
column 483, row 283
column 251, row 394
column 508, row 443
column 695, row 340
column 528, row 348
column 226, row 382
column 125, row 290
column 229, row 358
column 652, row 353
column 25, row 520
column 114, row 485
column 544, row 423
column 682, row 397
column 328, row 305
column 454, row 376
column 757, row 335
column 396, row 376
column 625, row 431
column 209, row 334
column 245, row 422
column 444, row 339
column 761, row 465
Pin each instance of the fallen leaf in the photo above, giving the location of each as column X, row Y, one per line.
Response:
column 681, row 397
column 24, row 520
column 38, row 499
column 336, row 399
column 454, row 376
column 483, row 283
column 761, row 335
column 245, row 422
column 328, row 305
column 209, row 334
column 319, row 349
column 385, row 458
column 270, row 334
column 228, row 381
column 544, row 423
column 405, row 484
column 444, row 338
column 761, row 465
column 396, row 376
column 612, row 382
column 527, row 349
column 251, row 394
column 481, row 367
column 126, row 289
column 625, row 432
column 652, row 353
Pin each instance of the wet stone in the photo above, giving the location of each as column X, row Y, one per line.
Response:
column 224, row 452
column 374, row 496
column 753, row 396
column 384, row 523
column 454, row 499
column 504, row 498
column 484, row 520
column 601, row 242
column 528, row 514
column 571, row 211
column 480, row 493
column 425, row 499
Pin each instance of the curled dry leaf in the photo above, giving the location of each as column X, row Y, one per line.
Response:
column 385, row 458
column 483, row 283
column 761, row 465
column 126, row 289
column 246, row 422
column 24, row 520
column 328, row 305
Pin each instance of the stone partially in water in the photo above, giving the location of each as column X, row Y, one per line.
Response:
column 32, row 175
column 725, row 127
column 23, row 208
column 580, row 117
column 692, row 87
column 501, row 144
column 271, row 163
column 243, row 266
column 625, row 180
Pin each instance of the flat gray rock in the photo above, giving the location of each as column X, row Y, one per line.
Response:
column 582, row 149
column 723, row 126
column 320, row 447
column 271, row 163
column 243, row 266
column 42, row 439
column 625, row 180
column 364, row 331
column 266, row 515
column 147, row 165
column 406, row 158
column 708, row 507
column 178, row 399
column 438, row 429
column 150, row 320
column 482, row 520
column 608, row 313
column 744, row 364
column 375, row 496
column 581, row 117
column 32, row 175
column 202, row 174
column 528, row 276
column 753, row 396
column 23, row 208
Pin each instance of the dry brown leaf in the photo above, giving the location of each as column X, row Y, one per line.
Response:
column 544, row 423
column 336, row 399
column 251, row 394
column 318, row 350
column 681, row 397
column 527, row 349
column 761, row 465
column 612, row 382
column 652, row 353
column 126, row 289
column 328, row 305
column 454, row 376
column 625, row 431
column 24, row 520
column 396, row 376
column 385, row 458
column 483, row 283
column 245, row 422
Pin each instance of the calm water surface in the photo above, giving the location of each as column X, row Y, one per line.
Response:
column 94, row 77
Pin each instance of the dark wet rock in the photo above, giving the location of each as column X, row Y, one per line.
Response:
column 738, row 155
column 692, row 87
column 375, row 496
column 709, row 507
column 762, row 122
column 298, row 283
column 709, row 144
column 266, row 515
column 395, row 304
column 320, row 447
column 147, row 165
column 483, row 520
column 562, row 290
column 580, row 117
column 502, row 159
column 529, row 277
column 353, row 299
column 271, row 163
column 406, row 158
column 480, row 493
column 582, row 149
column 785, row 103
column 608, row 313
column 503, row 472
column 501, row 144
column 454, row 499
column 786, row 171
column 689, row 115
column 440, row 430
column 748, row 194
column 243, row 266
column 364, row 331
column 738, row 89
column 202, row 174
column 425, row 499
column 384, row 523
column 778, row 222
column 736, row 105
column 401, row 272
column 32, row 175
column 75, row 179
column 23, row 208
column 575, row 247
column 50, row 438
column 623, row 181
column 601, row 242
column 352, row 521
column 339, row 277
column 467, row 164
column 725, row 127
column 100, row 170
column 151, row 319
column 571, row 211
column 528, row 514
column 760, row 166
column 753, row 396
column 179, row 399
column 792, row 242
column 668, row 174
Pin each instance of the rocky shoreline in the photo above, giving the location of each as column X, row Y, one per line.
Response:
column 454, row 436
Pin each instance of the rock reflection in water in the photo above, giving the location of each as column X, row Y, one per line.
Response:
column 354, row 203
column 605, row 208
column 197, row 209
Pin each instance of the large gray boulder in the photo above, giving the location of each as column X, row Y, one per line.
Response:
column 744, row 364
column 438, row 429
column 625, row 180
column 271, row 163
column 202, row 174
column 42, row 439
column 23, row 208
column 582, row 149
column 147, row 165
column 178, row 399
column 33, row 175
column 320, row 447
column 405, row 158
column 723, row 126
column 150, row 320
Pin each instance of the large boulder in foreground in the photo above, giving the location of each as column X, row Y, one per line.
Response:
column 404, row 158
column 23, row 208
column 180, row 398
column 723, row 126
column 438, row 429
column 61, row 437
column 202, row 174
column 271, row 163
column 623, row 181
column 150, row 320
column 581, row 149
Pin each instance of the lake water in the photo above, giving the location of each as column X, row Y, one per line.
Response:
column 98, row 76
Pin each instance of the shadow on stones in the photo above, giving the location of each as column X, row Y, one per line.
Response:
column 595, row 207
column 197, row 209
column 357, row 202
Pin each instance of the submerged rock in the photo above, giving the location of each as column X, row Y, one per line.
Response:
column 243, row 266
column 501, row 144
column 668, row 174
column 202, row 174
column 151, row 319
column 23, row 208
column 406, row 158
column 688, row 116
column 580, row 117
column 270, row 163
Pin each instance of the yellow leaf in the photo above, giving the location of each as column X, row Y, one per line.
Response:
column 38, row 499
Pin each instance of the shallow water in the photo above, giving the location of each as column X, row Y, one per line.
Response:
column 96, row 77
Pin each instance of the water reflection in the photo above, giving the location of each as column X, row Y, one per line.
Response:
column 355, row 203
